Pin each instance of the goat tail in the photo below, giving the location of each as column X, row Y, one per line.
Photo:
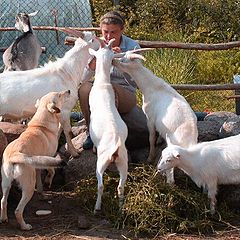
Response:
column 39, row 162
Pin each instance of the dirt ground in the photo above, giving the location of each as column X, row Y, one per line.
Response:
column 69, row 221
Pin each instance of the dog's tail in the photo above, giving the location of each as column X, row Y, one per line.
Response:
column 39, row 162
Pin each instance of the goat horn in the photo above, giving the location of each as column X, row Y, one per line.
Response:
column 102, row 44
column 136, row 56
column 70, row 31
column 141, row 50
column 110, row 43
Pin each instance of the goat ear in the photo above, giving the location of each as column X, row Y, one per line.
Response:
column 168, row 140
column 52, row 108
column 32, row 14
column 176, row 154
column 37, row 103
column 110, row 43
column 92, row 51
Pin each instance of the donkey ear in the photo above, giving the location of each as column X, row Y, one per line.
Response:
column 52, row 108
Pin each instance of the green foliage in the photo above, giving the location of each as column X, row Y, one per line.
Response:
column 173, row 65
column 205, row 21
column 217, row 66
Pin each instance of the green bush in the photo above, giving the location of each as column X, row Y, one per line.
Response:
column 217, row 67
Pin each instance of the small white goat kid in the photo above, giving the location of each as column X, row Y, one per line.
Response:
column 21, row 89
column 108, row 131
column 166, row 110
column 207, row 163
column 24, row 52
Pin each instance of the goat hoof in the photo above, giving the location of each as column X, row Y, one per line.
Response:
column 4, row 220
column 97, row 212
column 26, row 227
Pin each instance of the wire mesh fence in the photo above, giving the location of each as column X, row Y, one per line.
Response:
column 76, row 13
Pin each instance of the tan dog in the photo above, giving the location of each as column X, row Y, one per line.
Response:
column 34, row 149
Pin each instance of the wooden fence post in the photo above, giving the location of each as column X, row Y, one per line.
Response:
column 236, row 79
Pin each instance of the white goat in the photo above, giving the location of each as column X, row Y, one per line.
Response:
column 21, row 89
column 166, row 110
column 108, row 131
column 24, row 52
column 207, row 163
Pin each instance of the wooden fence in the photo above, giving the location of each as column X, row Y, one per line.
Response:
column 161, row 44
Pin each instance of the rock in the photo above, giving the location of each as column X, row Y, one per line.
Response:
column 83, row 222
column 80, row 167
column 219, row 117
column 137, row 129
column 208, row 130
column 230, row 127
column 3, row 143
column 80, row 128
column 230, row 194
column 139, row 155
column 12, row 130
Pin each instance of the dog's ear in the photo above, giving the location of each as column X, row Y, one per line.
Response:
column 52, row 108
column 37, row 103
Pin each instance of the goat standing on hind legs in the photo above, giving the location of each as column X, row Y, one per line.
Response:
column 166, row 110
column 109, row 140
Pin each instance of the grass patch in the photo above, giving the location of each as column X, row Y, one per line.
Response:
column 152, row 207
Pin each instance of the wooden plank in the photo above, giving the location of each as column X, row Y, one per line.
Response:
column 3, row 49
column 52, row 28
column 190, row 46
column 210, row 87
column 233, row 96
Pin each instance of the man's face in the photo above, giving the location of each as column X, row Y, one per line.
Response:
column 110, row 31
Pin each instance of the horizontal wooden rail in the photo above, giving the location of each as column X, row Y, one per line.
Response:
column 188, row 46
column 3, row 49
column 142, row 43
column 234, row 96
column 210, row 87
column 39, row 28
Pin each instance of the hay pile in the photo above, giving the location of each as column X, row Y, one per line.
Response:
column 152, row 206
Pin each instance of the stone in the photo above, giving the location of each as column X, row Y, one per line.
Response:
column 230, row 127
column 12, row 130
column 138, row 135
column 220, row 117
column 3, row 143
column 83, row 222
column 208, row 130
column 80, row 167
